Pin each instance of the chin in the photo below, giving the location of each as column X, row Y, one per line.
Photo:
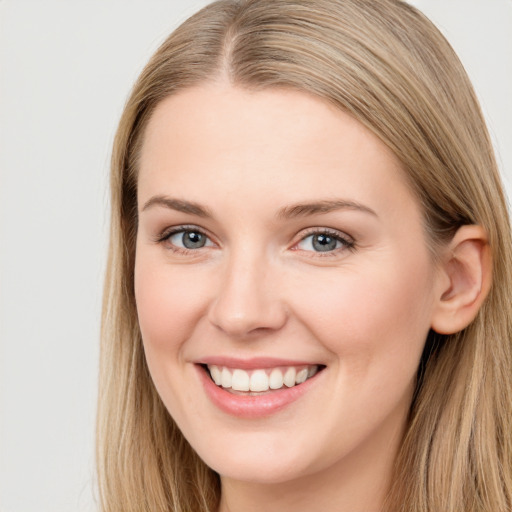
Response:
column 265, row 462
column 271, row 472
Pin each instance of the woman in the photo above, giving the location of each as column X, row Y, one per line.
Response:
column 307, row 304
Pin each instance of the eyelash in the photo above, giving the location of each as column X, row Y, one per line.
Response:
column 168, row 233
column 346, row 241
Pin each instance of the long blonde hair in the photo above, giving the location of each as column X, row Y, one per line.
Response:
column 384, row 63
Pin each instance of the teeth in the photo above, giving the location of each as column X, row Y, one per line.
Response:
column 216, row 375
column 260, row 380
column 289, row 377
column 225, row 378
column 240, row 380
column 301, row 376
column 276, row 379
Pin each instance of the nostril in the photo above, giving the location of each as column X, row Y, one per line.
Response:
column 247, row 320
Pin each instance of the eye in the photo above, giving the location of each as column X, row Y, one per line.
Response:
column 324, row 241
column 186, row 239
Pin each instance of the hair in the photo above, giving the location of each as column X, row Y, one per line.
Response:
column 385, row 64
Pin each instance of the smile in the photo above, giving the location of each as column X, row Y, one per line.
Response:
column 260, row 380
column 256, row 388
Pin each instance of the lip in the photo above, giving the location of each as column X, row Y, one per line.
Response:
column 253, row 406
column 253, row 363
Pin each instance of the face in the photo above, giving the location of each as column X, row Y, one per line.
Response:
column 283, row 282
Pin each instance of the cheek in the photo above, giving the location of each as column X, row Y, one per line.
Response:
column 375, row 317
column 169, row 306
column 170, row 302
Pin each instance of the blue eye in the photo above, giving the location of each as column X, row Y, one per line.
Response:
column 188, row 239
column 323, row 242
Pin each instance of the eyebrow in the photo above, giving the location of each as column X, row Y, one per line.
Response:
column 323, row 206
column 288, row 212
column 179, row 205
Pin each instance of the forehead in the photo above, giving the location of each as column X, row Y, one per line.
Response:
column 277, row 143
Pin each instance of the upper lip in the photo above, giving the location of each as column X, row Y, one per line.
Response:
column 252, row 363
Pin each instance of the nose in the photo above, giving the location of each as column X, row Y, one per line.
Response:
column 248, row 298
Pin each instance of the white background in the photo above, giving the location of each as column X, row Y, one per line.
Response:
column 65, row 71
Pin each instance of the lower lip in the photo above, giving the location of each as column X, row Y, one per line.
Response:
column 253, row 406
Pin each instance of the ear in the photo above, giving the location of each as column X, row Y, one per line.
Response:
column 464, row 280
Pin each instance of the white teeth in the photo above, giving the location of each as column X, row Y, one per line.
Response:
column 240, row 380
column 289, row 377
column 216, row 375
column 302, row 375
column 260, row 380
column 276, row 379
column 225, row 378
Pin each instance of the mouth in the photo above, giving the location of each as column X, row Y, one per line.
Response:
column 260, row 381
column 257, row 387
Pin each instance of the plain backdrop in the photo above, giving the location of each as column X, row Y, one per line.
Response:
column 65, row 70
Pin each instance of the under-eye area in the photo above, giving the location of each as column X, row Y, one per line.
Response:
column 261, row 380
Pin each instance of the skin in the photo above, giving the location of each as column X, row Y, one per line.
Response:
column 258, row 288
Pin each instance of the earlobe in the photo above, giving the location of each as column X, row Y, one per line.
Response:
column 464, row 280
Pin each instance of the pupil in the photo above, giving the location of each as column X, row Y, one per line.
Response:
column 193, row 240
column 324, row 243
